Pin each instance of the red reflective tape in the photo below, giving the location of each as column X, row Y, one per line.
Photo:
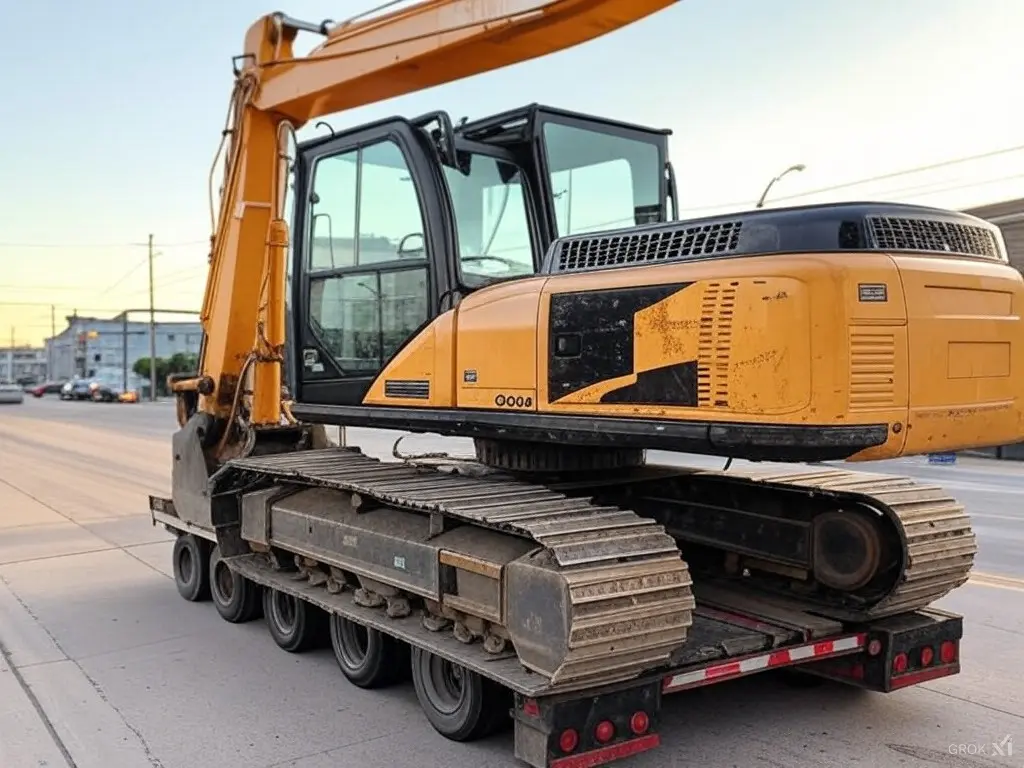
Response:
column 721, row 670
column 609, row 753
column 778, row 657
column 922, row 676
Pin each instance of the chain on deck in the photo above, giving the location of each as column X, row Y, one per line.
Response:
column 630, row 591
column 940, row 543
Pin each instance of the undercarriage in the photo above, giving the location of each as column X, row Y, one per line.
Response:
column 583, row 576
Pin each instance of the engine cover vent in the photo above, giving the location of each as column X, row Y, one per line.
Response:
column 894, row 233
column 643, row 247
column 838, row 227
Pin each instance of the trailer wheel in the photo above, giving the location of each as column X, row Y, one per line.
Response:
column 460, row 704
column 235, row 597
column 190, row 563
column 367, row 657
column 295, row 624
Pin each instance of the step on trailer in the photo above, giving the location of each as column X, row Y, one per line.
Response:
column 733, row 634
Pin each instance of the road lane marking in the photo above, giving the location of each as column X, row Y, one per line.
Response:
column 996, row 581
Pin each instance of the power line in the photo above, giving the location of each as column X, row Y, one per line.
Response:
column 94, row 246
column 125, row 276
column 870, row 179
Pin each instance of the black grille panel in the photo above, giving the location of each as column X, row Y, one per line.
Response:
column 837, row 227
column 905, row 234
column 683, row 242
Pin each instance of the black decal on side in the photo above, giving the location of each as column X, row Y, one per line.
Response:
column 671, row 385
column 599, row 324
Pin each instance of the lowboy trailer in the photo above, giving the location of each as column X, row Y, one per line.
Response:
column 733, row 634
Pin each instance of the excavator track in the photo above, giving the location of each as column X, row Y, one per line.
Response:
column 628, row 598
column 926, row 532
column 939, row 542
column 630, row 594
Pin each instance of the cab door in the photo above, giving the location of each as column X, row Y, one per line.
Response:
column 369, row 257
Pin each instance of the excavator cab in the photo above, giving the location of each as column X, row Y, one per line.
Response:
column 395, row 221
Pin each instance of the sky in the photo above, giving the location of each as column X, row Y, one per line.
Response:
column 112, row 111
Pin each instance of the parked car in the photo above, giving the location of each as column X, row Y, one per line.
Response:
column 76, row 389
column 47, row 388
column 11, row 394
column 107, row 391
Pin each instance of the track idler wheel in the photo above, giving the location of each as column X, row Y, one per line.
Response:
column 460, row 704
column 367, row 657
column 846, row 549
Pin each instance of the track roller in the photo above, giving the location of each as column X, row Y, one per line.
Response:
column 460, row 704
column 190, row 563
column 236, row 599
column 294, row 624
column 368, row 658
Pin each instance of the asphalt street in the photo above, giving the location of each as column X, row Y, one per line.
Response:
column 103, row 664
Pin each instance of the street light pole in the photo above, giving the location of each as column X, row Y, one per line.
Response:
column 152, row 329
column 797, row 167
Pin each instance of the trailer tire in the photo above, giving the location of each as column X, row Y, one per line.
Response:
column 460, row 704
column 190, row 560
column 236, row 598
column 367, row 657
column 295, row 625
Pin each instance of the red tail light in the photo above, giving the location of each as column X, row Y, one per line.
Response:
column 639, row 723
column 568, row 740
column 899, row 663
column 947, row 652
column 927, row 656
column 604, row 732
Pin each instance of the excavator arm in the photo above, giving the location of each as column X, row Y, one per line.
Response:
column 360, row 61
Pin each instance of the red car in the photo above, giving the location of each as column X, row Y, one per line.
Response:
column 47, row 388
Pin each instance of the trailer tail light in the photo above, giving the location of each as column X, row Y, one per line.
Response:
column 927, row 656
column 604, row 732
column 899, row 663
column 947, row 652
column 639, row 723
column 531, row 708
column 874, row 647
column 568, row 741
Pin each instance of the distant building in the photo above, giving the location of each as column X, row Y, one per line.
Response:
column 107, row 348
column 1009, row 217
column 22, row 365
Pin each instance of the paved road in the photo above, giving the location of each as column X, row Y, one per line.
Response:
column 104, row 665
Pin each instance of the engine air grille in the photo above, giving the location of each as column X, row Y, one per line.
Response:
column 664, row 244
column 905, row 234
column 872, row 369
column 714, row 345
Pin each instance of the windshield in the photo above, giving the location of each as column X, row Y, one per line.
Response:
column 491, row 220
column 600, row 180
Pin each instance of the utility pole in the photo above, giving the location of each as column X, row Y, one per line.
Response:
column 53, row 342
column 152, row 328
column 10, row 359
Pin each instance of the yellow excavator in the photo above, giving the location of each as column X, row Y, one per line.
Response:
column 524, row 280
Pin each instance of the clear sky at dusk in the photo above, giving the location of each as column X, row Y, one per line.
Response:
column 112, row 112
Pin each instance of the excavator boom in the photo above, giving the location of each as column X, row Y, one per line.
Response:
column 436, row 42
